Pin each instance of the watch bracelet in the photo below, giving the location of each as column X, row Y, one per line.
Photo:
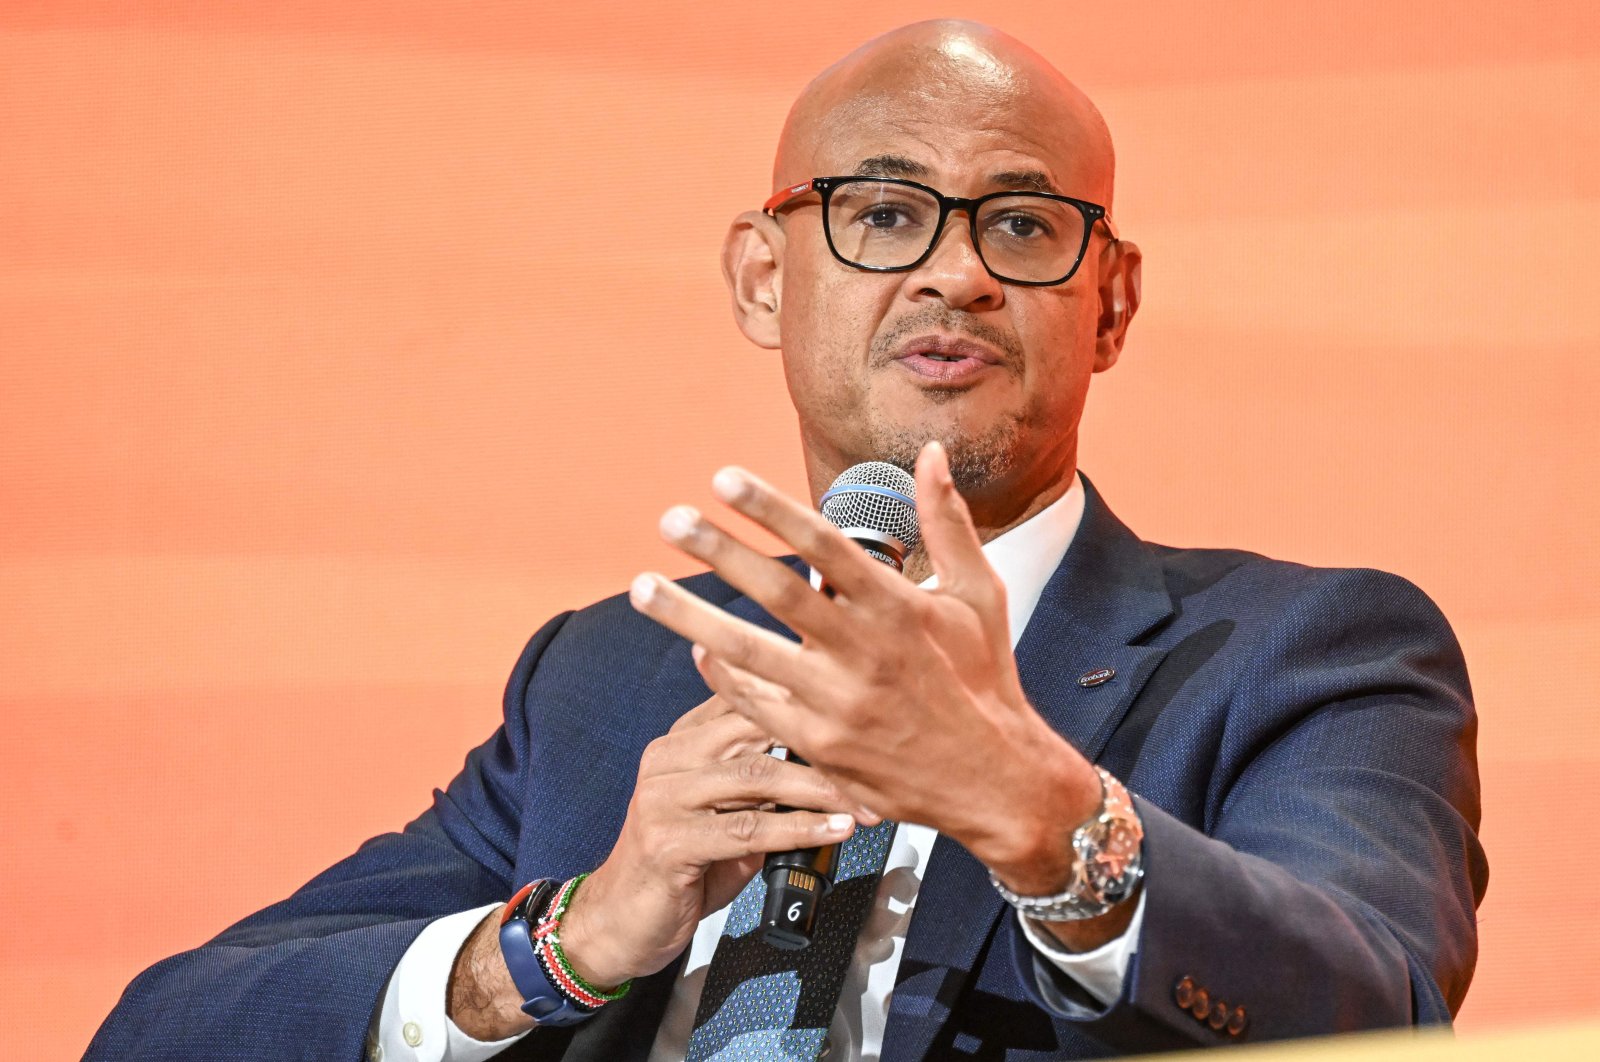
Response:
column 1081, row 899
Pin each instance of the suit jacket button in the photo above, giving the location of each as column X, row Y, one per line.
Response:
column 1237, row 1022
column 1183, row 992
column 1219, row 1015
column 1201, row 1007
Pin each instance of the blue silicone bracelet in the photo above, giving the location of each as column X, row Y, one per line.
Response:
column 542, row 1001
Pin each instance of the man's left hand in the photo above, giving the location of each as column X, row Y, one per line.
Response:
column 906, row 697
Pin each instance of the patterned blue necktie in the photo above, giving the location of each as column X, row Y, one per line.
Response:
column 761, row 1003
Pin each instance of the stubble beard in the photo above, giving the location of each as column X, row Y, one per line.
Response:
column 979, row 454
column 977, row 459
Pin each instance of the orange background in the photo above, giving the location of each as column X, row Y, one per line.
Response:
column 341, row 344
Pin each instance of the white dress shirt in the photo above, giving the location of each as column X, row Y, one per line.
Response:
column 412, row 1026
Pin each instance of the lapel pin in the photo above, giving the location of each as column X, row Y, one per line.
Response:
column 1098, row 677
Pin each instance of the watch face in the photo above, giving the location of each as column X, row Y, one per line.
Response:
column 1109, row 854
column 1108, row 866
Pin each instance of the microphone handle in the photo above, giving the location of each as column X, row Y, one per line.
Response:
column 797, row 880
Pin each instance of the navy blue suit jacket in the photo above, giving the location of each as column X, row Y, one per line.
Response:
column 1300, row 741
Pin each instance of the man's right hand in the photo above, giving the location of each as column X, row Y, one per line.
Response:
column 698, row 829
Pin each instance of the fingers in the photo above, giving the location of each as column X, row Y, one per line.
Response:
column 755, row 779
column 691, row 810
column 771, row 583
column 742, row 833
column 771, row 710
column 700, row 714
column 727, row 636
column 947, row 531
column 844, row 564
column 767, row 706
column 724, row 737
column 952, row 543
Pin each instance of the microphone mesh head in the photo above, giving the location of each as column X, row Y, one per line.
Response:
column 877, row 496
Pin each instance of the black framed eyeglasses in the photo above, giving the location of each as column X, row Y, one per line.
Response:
column 890, row 225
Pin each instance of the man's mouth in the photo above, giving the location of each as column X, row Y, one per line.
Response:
column 946, row 360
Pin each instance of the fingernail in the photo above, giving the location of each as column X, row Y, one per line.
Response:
column 729, row 484
column 679, row 522
column 840, row 822
column 697, row 651
column 643, row 589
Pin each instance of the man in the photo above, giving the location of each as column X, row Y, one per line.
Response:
column 939, row 269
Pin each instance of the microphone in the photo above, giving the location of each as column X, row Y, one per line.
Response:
column 875, row 505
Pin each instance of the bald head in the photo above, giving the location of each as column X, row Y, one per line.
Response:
column 879, row 358
column 947, row 70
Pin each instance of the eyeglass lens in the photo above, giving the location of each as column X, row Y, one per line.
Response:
column 889, row 226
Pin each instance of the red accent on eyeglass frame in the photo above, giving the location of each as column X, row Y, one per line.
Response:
column 780, row 198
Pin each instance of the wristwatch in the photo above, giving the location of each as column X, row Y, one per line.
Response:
column 531, row 944
column 1108, row 863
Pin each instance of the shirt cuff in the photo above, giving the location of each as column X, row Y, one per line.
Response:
column 1101, row 971
column 413, row 1025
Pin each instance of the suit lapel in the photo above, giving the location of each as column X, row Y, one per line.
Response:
column 1106, row 593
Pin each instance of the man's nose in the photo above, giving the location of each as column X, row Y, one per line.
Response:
column 954, row 273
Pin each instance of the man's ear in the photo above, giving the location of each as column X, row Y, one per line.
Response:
column 1119, row 299
column 752, row 264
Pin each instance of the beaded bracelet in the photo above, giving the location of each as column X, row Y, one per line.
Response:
column 553, row 960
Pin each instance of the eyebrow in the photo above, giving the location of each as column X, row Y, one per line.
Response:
column 1026, row 181
column 901, row 166
column 891, row 166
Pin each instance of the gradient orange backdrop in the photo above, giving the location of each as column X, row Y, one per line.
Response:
column 342, row 344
